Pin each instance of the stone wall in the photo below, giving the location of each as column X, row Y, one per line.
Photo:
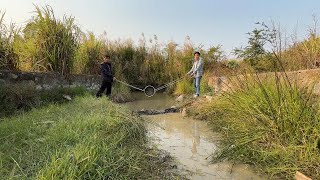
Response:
column 305, row 78
column 49, row 80
column 92, row 82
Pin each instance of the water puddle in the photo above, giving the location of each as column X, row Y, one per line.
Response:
column 190, row 142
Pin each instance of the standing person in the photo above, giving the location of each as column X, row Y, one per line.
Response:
column 196, row 72
column 107, row 77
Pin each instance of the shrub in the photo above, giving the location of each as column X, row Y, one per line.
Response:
column 270, row 123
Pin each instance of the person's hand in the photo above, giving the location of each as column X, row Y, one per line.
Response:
column 114, row 78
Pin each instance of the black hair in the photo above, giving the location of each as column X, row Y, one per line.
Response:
column 107, row 56
column 196, row 53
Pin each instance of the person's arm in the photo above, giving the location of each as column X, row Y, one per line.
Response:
column 191, row 70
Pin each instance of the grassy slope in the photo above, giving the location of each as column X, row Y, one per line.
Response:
column 88, row 138
column 268, row 124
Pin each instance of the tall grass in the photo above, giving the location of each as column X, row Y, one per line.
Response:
column 303, row 55
column 88, row 55
column 53, row 42
column 8, row 58
column 85, row 139
column 271, row 123
column 184, row 87
column 187, row 86
column 120, row 93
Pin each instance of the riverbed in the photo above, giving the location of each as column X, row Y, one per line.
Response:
column 189, row 141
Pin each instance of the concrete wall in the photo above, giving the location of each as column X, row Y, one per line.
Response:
column 49, row 80
column 305, row 78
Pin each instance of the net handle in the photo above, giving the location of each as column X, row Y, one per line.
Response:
column 130, row 85
column 170, row 83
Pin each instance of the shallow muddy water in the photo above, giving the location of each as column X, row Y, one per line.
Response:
column 189, row 141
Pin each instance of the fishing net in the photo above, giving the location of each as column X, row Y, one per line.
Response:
column 149, row 91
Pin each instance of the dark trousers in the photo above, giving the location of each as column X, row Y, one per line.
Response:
column 105, row 85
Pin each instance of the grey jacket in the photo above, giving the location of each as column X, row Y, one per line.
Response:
column 197, row 68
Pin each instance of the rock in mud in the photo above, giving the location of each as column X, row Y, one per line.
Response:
column 171, row 110
column 184, row 112
column 180, row 98
column 67, row 97
column 209, row 98
column 155, row 112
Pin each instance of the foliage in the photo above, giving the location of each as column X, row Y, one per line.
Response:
column 84, row 139
column 53, row 42
column 88, row 55
column 271, row 123
column 8, row 58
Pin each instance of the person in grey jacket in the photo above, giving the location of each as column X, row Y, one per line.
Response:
column 196, row 72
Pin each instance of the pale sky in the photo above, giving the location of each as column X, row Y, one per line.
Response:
column 207, row 22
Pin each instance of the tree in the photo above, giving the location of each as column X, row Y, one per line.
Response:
column 254, row 52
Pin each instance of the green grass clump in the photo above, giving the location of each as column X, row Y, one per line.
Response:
column 272, row 124
column 184, row 87
column 87, row 139
column 120, row 93
column 187, row 86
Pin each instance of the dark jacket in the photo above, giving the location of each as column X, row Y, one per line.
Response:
column 106, row 72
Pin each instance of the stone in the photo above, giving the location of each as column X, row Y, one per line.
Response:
column 46, row 87
column 184, row 112
column 209, row 98
column 180, row 98
column 300, row 176
column 155, row 112
column 12, row 76
column 316, row 88
column 38, row 87
column 67, row 97
column 170, row 110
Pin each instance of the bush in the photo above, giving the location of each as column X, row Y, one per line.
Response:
column 8, row 58
column 270, row 123
column 204, row 86
column 89, row 55
column 184, row 87
column 120, row 93
column 48, row 43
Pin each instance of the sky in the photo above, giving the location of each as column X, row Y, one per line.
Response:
column 207, row 22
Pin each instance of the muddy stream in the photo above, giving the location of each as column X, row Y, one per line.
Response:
column 189, row 141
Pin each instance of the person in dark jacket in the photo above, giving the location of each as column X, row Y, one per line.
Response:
column 107, row 77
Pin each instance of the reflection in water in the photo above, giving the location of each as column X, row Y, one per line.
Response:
column 195, row 138
column 191, row 142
